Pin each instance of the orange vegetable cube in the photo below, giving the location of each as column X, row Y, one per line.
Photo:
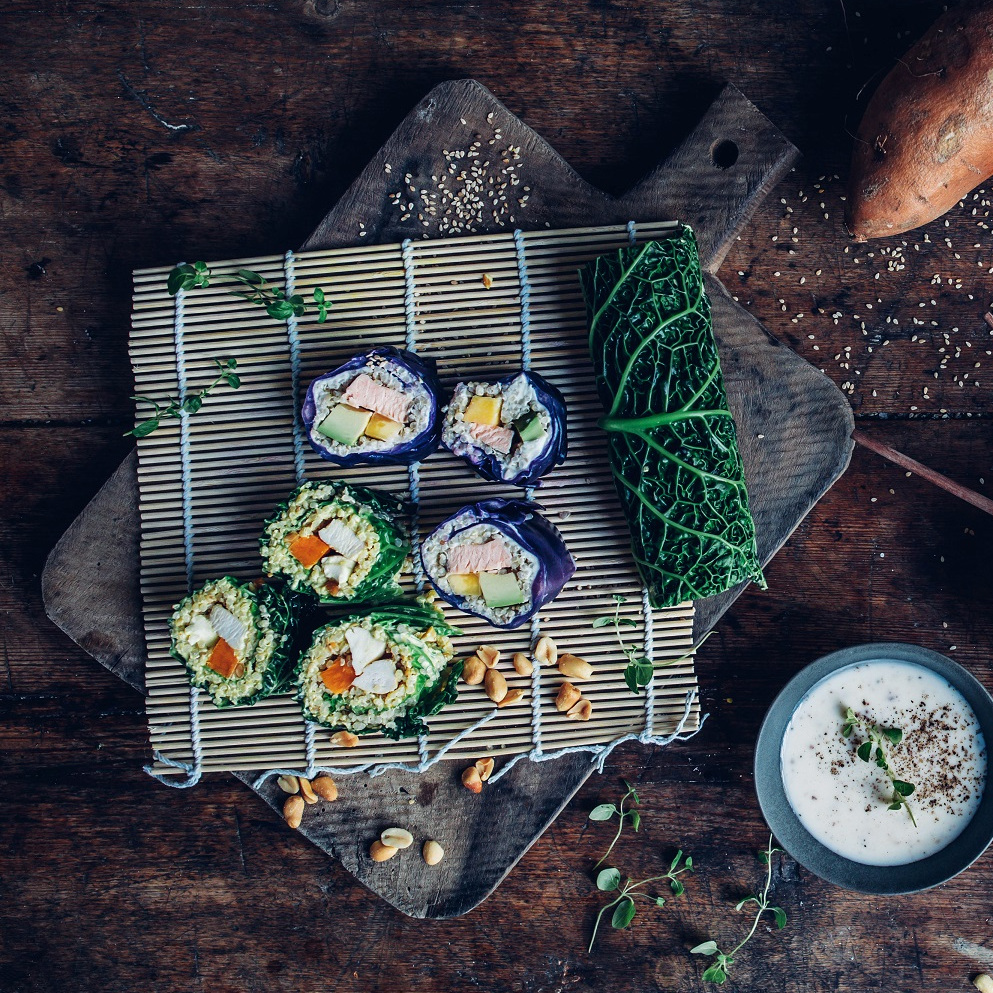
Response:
column 382, row 428
column 308, row 550
column 222, row 659
column 338, row 676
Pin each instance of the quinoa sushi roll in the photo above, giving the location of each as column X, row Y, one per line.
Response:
column 384, row 670
column 498, row 559
column 379, row 408
column 511, row 431
column 235, row 639
column 342, row 544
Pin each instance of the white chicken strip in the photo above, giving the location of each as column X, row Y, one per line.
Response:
column 342, row 539
column 377, row 677
column 365, row 647
column 227, row 626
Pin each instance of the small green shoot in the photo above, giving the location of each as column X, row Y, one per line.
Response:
column 717, row 971
column 278, row 305
column 605, row 811
column 170, row 407
column 640, row 669
column 871, row 750
column 623, row 904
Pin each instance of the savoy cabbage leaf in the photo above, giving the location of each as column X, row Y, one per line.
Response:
column 673, row 448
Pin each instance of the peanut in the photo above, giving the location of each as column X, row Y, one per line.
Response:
column 380, row 852
column 545, row 652
column 489, row 655
column 487, row 280
column 522, row 664
column 239, row 670
column 326, row 788
column 512, row 697
column 307, row 791
column 433, row 852
column 471, row 780
column 983, row 982
column 495, row 685
column 568, row 695
column 397, row 838
column 288, row 784
column 485, row 767
column 344, row 739
column 473, row 670
column 293, row 811
column 581, row 711
column 574, row 667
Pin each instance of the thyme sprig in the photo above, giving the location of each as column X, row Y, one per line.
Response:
column 605, row 811
column 259, row 290
column 609, row 881
column 171, row 407
column 717, row 971
column 640, row 669
column 871, row 750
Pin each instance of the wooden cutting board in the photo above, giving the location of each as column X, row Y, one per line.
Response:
column 794, row 427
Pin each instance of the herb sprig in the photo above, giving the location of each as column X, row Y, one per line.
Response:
column 605, row 811
column 872, row 750
column 609, row 881
column 171, row 407
column 717, row 971
column 640, row 669
column 278, row 305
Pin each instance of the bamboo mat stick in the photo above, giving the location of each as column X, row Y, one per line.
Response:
column 919, row 469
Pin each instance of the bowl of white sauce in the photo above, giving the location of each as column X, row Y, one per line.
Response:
column 871, row 768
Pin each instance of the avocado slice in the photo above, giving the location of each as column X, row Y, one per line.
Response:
column 529, row 427
column 500, row 589
column 344, row 424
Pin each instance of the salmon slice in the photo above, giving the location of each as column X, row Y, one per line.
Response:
column 491, row 556
column 365, row 392
column 499, row 437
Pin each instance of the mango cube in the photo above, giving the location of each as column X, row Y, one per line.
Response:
column 484, row 410
column 382, row 428
column 465, row 584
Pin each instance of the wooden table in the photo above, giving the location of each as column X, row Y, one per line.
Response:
column 132, row 132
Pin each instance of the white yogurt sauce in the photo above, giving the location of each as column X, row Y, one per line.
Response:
column 843, row 801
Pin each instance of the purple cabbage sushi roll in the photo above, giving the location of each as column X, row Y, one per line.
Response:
column 379, row 408
column 511, row 431
column 498, row 559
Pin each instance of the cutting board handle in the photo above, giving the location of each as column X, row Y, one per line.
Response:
column 718, row 176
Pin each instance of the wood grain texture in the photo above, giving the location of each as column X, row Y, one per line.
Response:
column 109, row 881
column 793, row 423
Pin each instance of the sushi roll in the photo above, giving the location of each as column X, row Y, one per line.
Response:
column 342, row 544
column 383, row 670
column 379, row 408
column 235, row 639
column 498, row 559
column 511, row 431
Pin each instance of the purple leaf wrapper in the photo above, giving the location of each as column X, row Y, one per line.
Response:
column 523, row 526
column 552, row 453
column 417, row 373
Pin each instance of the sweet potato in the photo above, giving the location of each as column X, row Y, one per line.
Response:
column 925, row 140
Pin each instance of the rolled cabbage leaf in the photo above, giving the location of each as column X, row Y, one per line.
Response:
column 671, row 438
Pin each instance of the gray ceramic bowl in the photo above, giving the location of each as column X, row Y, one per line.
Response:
column 802, row 846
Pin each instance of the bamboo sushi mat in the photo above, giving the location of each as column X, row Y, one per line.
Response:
column 207, row 482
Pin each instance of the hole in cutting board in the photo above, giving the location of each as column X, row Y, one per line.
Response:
column 724, row 154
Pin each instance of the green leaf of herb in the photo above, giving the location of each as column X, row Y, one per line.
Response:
column 714, row 974
column 635, row 820
column 895, row 735
column 677, row 887
column 145, row 428
column 608, row 879
column 603, row 812
column 318, row 295
column 623, row 914
column 602, row 622
column 904, row 789
column 864, row 751
column 233, row 380
column 250, row 277
column 705, row 948
column 780, row 916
